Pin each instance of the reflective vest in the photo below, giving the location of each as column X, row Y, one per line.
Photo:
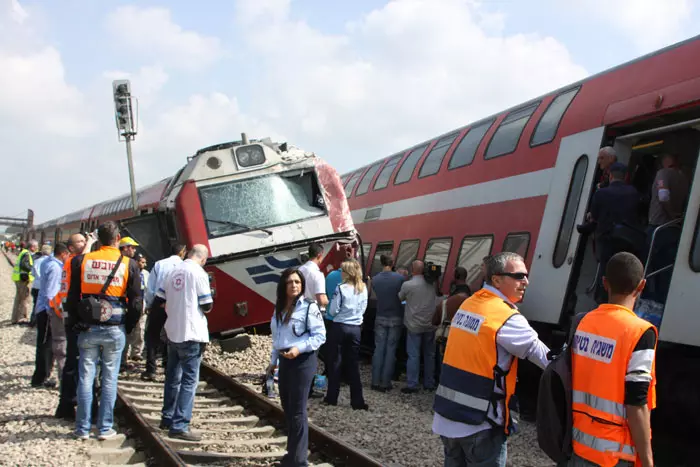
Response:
column 470, row 373
column 95, row 269
column 601, row 350
column 57, row 302
column 16, row 272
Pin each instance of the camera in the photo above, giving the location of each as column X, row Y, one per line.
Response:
column 432, row 272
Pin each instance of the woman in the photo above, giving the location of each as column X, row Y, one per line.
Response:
column 297, row 332
column 347, row 307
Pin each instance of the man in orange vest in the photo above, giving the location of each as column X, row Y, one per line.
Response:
column 613, row 375
column 477, row 381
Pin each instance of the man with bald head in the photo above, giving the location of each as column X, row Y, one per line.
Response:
column 420, row 298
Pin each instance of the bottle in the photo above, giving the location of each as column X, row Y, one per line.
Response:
column 270, row 384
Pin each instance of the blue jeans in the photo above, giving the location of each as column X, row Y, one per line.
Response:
column 181, row 378
column 103, row 343
column 386, row 339
column 486, row 448
column 415, row 341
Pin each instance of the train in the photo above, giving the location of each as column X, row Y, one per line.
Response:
column 521, row 180
column 257, row 206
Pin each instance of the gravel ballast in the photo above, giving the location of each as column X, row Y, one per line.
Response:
column 397, row 428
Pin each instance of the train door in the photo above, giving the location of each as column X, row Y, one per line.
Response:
column 150, row 233
column 557, row 242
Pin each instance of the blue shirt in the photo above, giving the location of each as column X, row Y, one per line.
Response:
column 51, row 274
column 386, row 286
column 333, row 280
column 157, row 277
column 348, row 306
column 36, row 271
column 293, row 333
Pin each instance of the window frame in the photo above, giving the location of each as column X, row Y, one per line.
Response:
column 352, row 190
column 583, row 157
column 481, row 140
column 374, row 256
column 396, row 257
column 522, row 232
column 461, row 246
column 556, row 129
column 449, row 253
column 437, row 142
column 413, row 170
column 400, row 157
column 535, row 106
column 379, row 166
column 368, row 255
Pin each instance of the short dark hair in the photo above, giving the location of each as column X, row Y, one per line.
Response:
column 178, row 248
column 108, row 232
column 461, row 273
column 59, row 249
column 623, row 273
column 386, row 260
column 315, row 249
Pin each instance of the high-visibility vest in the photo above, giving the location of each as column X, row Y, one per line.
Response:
column 56, row 303
column 16, row 272
column 470, row 373
column 601, row 351
column 94, row 271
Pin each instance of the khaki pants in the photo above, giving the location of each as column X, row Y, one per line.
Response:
column 58, row 341
column 134, row 340
column 22, row 307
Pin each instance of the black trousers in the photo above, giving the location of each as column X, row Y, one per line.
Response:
column 344, row 351
column 44, row 355
column 69, row 380
column 154, row 325
column 294, row 380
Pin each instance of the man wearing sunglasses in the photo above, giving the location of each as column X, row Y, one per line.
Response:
column 487, row 337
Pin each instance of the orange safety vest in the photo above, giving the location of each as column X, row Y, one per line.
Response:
column 470, row 372
column 95, row 269
column 56, row 303
column 601, row 351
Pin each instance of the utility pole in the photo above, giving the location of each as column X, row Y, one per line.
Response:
column 126, row 127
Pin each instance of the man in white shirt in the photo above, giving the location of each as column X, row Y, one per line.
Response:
column 156, row 316
column 187, row 296
column 315, row 280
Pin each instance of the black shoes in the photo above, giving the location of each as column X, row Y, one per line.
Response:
column 185, row 436
column 361, row 407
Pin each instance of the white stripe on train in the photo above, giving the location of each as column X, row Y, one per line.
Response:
column 521, row 186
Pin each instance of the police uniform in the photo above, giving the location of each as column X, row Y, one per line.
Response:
column 305, row 331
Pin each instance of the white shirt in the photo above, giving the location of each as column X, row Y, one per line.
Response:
column 516, row 338
column 315, row 281
column 157, row 276
column 184, row 290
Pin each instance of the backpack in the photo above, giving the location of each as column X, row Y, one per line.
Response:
column 554, row 402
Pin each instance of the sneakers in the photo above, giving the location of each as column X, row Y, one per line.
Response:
column 81, row 436
column 408, row 390
column 164, row 425
column 108, row 435
column 148, row 376
column 185, row 436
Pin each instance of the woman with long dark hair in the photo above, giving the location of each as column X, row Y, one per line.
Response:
column 297, row 332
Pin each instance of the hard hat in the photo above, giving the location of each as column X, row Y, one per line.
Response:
column 127, row 241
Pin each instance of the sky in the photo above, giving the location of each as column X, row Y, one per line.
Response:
column 353, row 81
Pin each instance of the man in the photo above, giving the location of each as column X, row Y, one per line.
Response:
column 459, row 292
column 669, row 195
column 64, row 339
column 156, row 314
column 39, row 258
column 104, row 338
column 50, row 273
column 22, row 276
column 388, row 322
column 127, row 246
column 477, row 382
column 134, row 340
column 187, row 298
column 612, row 205
column 315, row 281
column 613, row 375
column 420, row 303
column 606, row 158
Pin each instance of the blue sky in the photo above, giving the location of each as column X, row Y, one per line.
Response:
column 351, row 80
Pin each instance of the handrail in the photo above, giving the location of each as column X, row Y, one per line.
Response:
column 651, row 245
column 595, row 280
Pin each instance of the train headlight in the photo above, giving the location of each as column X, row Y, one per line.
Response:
column 249, row 156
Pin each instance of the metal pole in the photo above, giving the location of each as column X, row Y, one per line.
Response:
column 134, row 204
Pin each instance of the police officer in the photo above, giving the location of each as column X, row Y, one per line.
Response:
column 613, row 375
column 22, row 276
column 297, row 332
column 104, row 303
column 477, row 382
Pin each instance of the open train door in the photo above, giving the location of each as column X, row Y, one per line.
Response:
column 557, row 242
column 148, row 231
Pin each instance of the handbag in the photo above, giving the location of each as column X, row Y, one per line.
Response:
column 95, row 309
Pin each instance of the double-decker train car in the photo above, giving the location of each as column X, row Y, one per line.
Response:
column 521, row 181
column 256, row 205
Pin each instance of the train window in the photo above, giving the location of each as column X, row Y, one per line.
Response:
column 367, row 248
column 548, row 125
column 383, row 248
column 385, row 174
column 344, row 179
column 352, row 181
column 517, row 243
column 695, row 249
column 466, row 149
column 566, row 228
column 432, row 163
column 471, row 255
column 506, row 138
column 409, row 165
column 408, row 252
column 367, row 179
column 438, row 251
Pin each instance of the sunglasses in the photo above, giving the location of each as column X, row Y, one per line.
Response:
column 515, row 275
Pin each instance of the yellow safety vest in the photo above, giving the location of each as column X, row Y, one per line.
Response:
column 16, row 272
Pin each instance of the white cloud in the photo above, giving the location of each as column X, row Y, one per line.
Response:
column 17, row 12
column 151, row 33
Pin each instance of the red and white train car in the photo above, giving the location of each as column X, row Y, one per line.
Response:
column 521, row 181
column 256, row 205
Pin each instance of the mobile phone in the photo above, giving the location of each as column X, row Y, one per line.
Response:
column 285, row 350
